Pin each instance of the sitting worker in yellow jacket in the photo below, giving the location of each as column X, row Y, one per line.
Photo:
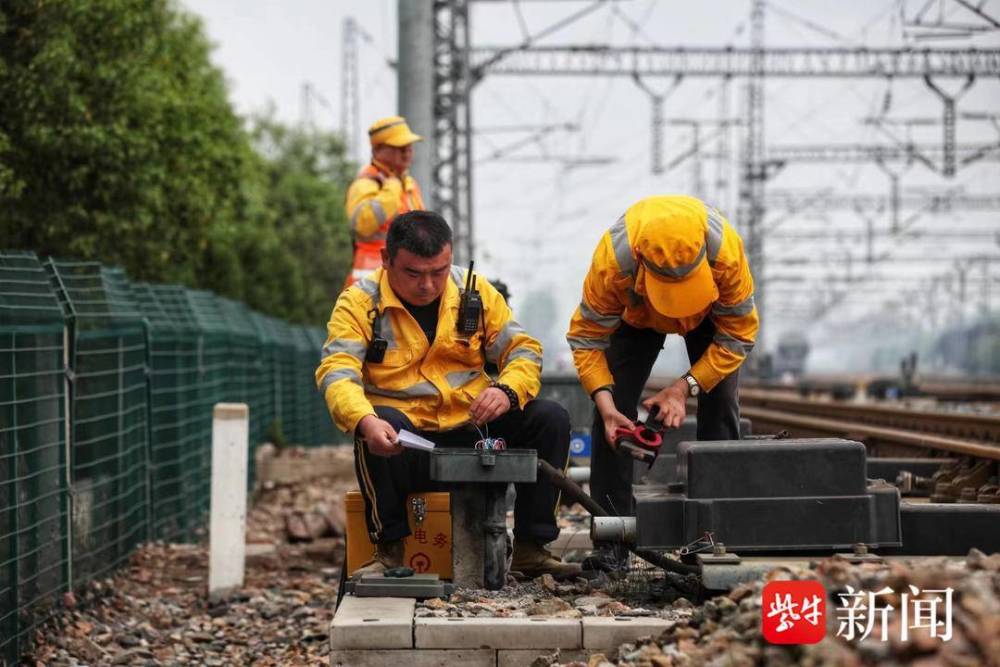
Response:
column 382, row 190
column 395, row 359
column 671, row 264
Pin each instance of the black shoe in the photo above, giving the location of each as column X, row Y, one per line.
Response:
column 607, row 558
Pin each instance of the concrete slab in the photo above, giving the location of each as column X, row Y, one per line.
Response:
column 413, row 658
column 507, row 633
column 373, row 623
column 524, row 657
column 604, row 632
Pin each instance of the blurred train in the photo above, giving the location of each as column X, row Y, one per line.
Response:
column 789, row 358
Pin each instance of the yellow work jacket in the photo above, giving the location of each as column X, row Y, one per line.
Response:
column 433, row 385
column 374, row 200
column 612, row 295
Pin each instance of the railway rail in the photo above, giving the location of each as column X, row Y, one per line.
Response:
column 938, row 388
column 962, row 433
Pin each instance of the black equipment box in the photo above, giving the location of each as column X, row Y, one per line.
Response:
column 769, row 495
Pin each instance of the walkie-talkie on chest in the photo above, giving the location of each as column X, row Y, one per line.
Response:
column 470, row 309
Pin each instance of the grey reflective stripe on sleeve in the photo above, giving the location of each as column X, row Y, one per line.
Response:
column 503, row 340
column 524, row 353
column 457, row 273
column 458, row 379
column 577, row 343
column 355, row 348
column 620, row 244
column 744, row 307
column 337, row 375
column 369, row 287
column 734, row 345
column 413, row 391
column 355, row 215
column 713, row 236
column 591, row 315
column 377, row 210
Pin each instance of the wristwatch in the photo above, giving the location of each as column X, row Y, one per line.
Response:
column 693, row 387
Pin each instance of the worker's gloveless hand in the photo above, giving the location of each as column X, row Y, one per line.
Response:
column 612, row 418
column 379, row 436
column 672, row 402
column 490, row 404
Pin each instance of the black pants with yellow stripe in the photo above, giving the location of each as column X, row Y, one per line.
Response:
column 385, row 482
column 631, row 356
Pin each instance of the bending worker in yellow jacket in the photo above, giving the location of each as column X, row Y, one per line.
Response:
column 382, row 190
column 394, row 359
column 671, row 264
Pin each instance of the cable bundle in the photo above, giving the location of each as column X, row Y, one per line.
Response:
column 488, row 444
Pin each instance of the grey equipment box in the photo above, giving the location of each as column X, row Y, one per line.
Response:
column 452, row 464
column 769, row 495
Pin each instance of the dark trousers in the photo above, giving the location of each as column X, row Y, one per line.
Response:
column 631, row 356
column 385, row 482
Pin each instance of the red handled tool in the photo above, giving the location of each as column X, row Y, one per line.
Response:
column 644, row 441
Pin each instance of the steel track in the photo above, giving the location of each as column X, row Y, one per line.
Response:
column 966, row 434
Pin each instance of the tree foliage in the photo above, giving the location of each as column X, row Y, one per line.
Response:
column 305, row 174
column 118, row 144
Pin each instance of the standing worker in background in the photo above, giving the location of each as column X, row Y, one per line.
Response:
column 382, row 190
column 671, row 264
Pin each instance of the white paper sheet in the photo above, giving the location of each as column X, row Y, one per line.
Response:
column 414, row 441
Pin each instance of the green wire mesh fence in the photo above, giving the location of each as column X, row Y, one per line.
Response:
column 106, row 394
column 108, row 410
column 34, row 509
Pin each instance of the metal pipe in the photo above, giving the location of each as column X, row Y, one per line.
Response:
column 571, row 489
column 613, row 529
column 579, row 474
column 415, row 87
column 574, row 492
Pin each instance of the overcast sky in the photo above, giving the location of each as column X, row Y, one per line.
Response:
column 537, row 224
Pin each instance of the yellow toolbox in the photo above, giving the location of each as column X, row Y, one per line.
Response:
column 428, row 548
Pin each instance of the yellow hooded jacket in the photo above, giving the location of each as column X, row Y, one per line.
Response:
column 375, row 198
column 433, row 385
column 612, row 295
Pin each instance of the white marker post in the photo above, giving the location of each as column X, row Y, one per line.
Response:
column 227, row 525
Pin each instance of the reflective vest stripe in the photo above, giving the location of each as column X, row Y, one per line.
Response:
column 713, row 236
column 355, row 348
column 578, row 343
column 510, row 329
column 591, row 315
column 623, row 252
column 340, row 374
column 744, row 307
column 734, row 345
column 525, row 353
